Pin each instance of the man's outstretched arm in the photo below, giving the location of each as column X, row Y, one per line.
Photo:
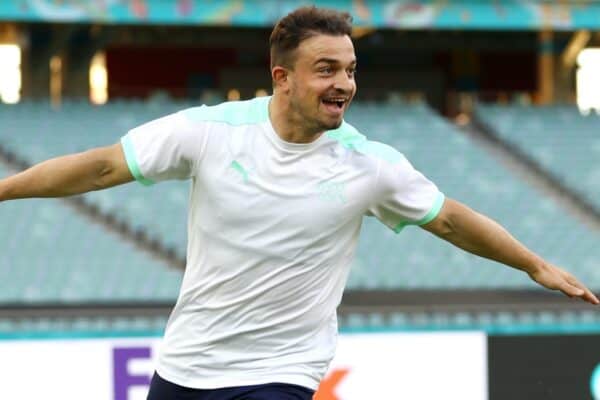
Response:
column 478, row 234
column 94, row 169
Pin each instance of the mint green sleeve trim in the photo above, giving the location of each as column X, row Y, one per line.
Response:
column 430, row 216
column 132, row 163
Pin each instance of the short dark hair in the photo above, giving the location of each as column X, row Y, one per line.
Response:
column 302, row 24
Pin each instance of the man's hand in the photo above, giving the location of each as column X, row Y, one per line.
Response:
column 555, row 278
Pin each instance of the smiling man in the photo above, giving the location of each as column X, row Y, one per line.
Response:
column 313, row 75
column 280, row 188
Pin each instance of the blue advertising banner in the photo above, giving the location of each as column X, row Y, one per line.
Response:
column 401, row 14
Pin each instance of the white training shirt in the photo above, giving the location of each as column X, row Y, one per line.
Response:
column 272, row 231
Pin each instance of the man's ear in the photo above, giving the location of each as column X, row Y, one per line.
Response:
column 280, row 76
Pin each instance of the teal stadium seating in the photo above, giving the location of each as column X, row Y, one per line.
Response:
column 497, row 322
column 415, row 259
column 411, row 260
column 36, row 132
column 558, row 138
column 93, row 326
column 49, row 254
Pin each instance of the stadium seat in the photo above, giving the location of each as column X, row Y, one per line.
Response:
column 71, row 327
column 50, row 254
column 412, row 259
column 491, row 322
column 497, row 322
column 464, row 171
column 36, row 132
column 558, row 138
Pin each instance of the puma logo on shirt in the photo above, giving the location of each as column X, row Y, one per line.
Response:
column 236, row 166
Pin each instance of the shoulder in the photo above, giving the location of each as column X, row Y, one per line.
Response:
column 235, row 113
column 351, row 139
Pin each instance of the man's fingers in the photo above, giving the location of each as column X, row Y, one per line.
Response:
column 571, row 290
column 553, row 277
column 587, row 293
column 576, row 289
column 590, row 297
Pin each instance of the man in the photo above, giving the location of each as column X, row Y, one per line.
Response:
column 280, row 186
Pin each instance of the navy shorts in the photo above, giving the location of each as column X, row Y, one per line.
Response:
column 161, row 389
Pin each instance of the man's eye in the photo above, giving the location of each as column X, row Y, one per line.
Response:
column 326, row 70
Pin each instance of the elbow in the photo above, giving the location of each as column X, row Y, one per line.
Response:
column 102, row 175
column 103, row 168
column 445, row 224
column 441, row 226
column 446, row 228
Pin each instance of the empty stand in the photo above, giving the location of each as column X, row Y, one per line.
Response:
column 35, row 132
column 558, row 138
column 415, row 259
column 411, row 260
column 48, row 253
column 499, row 322
column 67, row 327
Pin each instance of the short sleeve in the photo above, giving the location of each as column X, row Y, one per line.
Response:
column 162, row 149
column 404, row 196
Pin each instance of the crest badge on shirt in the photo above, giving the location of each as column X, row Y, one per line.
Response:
column 332, row 191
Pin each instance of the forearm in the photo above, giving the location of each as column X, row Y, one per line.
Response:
column 484, row 237
column 63, row 176
column 480, row 235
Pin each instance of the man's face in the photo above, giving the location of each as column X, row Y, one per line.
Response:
column 321, row 84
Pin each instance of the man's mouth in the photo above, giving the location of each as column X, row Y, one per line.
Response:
column 333, row 103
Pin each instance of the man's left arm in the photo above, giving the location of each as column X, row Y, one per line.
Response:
column 478, row 234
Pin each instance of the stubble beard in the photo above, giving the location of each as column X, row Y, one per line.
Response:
column 336, row 124
column 313, row 123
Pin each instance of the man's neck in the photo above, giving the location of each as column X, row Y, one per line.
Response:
column 288, row 124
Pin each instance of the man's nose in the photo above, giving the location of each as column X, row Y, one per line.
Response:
column 344, row 82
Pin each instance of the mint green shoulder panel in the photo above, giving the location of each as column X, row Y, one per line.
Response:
column 247, row 112
column 350, row 138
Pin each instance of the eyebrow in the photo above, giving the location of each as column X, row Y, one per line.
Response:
column 331, row 61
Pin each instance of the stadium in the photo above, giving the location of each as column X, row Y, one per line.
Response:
column 497, row 102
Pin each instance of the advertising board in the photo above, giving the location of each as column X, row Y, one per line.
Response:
column 369, row 365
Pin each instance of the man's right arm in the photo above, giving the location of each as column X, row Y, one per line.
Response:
column 94, row 169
